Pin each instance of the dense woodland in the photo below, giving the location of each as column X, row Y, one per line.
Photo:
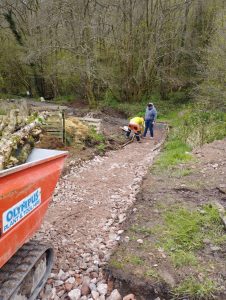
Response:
column 121, row 49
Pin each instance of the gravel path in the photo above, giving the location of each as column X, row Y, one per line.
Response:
column 85, row 219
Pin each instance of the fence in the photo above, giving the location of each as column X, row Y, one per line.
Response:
column 55, row 125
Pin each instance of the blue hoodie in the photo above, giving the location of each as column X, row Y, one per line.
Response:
column 150, row 114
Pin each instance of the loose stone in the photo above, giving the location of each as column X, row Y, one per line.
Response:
column 115, row 295
column 74, row 294
column 129, row 297
column 102, row 288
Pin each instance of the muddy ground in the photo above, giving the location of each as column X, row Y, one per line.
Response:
column 141, row 264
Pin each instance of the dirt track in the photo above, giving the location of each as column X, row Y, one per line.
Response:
column 89, row 206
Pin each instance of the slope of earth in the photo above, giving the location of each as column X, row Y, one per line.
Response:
column 174, row 245
column 86, row 215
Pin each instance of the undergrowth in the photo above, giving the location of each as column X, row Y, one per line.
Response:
column 199, row 126
column 93, row 138
column 101, row 148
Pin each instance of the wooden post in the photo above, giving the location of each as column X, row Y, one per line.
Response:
column 63, row 123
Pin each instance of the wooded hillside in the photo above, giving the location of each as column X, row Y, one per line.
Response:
column 122, row 49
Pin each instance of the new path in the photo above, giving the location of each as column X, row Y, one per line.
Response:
column 85, row 218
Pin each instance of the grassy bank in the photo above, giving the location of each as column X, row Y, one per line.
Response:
column 191, row 127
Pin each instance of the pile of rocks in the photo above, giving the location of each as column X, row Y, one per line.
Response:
column 74, row 286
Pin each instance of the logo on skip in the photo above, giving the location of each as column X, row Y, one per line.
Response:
column 21, row 209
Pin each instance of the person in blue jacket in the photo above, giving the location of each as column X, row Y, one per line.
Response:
column 150, row 119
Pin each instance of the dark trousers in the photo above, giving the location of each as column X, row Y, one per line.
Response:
column 137, row 134
column 149, row 125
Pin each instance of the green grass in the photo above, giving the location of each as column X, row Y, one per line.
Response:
column 193, row 289
column 171, row 117
column 191, row 126
column 185, row 230
column 199, row 126
column 175, row 152
column 116, row 264
column 101, row 148
column 152, row 273
column 95, row 139
column 182, row 258
column 178, row 173
column 133, row 259
column 127, row 258
column 220, row 240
